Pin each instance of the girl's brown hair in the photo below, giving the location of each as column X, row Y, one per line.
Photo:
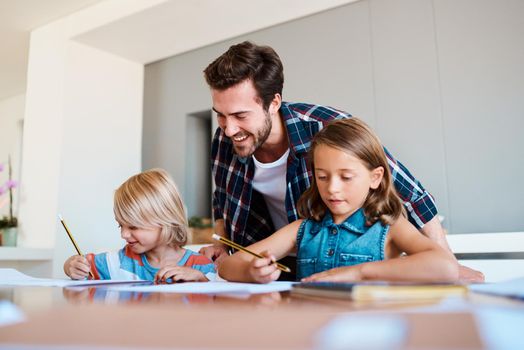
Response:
column 151, row 199
column 355, row 137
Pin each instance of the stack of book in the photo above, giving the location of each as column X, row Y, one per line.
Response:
column 379, row 290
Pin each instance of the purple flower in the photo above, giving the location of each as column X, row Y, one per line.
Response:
column 11, row 184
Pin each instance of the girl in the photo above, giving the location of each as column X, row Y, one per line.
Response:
column 153, row 222
column 354, row 227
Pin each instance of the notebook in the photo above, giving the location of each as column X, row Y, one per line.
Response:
column 380, row 290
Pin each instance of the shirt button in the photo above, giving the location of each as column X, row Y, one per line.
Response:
column 331, row 252
column 334, row 231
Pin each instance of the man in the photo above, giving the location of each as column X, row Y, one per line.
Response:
column 259, row 153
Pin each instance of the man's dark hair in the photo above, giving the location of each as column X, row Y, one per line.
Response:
column 244, row 61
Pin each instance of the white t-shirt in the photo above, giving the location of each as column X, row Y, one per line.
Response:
column 270, row 181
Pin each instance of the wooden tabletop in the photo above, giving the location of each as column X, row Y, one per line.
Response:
column 93, row 316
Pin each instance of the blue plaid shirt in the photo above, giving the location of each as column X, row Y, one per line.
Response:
column 244, row 210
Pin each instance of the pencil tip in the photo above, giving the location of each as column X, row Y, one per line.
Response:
column 60, row 217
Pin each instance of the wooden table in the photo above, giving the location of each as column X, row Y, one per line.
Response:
column 95, row 317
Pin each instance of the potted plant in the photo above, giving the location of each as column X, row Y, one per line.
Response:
column 8, row 224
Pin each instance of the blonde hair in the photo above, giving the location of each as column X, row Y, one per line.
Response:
column 355, row 137
column 151, row 199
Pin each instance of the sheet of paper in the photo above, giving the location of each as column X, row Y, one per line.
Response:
column 12, row 277
column 513, row 288
column 208, row 287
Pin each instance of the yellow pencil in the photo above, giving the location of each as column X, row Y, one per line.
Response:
column 73, row 240
column 239, row 247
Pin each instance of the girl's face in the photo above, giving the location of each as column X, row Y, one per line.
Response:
column 140, row 240
column 343, row 181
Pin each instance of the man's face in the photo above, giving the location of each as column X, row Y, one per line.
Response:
column 241, row 117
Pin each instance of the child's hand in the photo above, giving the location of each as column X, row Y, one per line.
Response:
column 468, row 275
column 264, row 270
column 339, row 274
column 179, row 273
column 77, row 267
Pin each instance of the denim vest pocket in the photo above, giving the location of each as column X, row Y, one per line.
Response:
column 306, row 267
column 354, row 259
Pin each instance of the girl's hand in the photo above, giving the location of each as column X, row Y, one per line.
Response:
column 468, row 275
column 264, row 270
column 77, row 267
column 339, row 274
column 179, row 273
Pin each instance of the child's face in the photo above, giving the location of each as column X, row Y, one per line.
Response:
column 343, row 181
column 140, row 240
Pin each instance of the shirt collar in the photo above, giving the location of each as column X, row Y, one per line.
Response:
column 355, row 223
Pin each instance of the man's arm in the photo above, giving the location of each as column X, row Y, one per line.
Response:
column 420, row 205
column 433, row 229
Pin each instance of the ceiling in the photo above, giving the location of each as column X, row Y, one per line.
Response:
column 173, row 27
column 17, row 19
column 164, row 29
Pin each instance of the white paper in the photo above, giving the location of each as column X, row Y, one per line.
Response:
column 207, row 287
column 513, row 288
column 12, row 277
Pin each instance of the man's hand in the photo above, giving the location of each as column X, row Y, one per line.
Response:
column 215, row 252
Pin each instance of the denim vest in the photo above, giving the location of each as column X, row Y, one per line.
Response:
column 323, row 245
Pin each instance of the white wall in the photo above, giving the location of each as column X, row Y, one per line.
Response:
column 82, row 136
column 11, row 123
column 101, row 145
column 198, row 148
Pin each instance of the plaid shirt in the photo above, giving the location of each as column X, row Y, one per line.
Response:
column 244, row 210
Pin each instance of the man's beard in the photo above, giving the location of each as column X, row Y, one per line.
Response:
column 259, row 139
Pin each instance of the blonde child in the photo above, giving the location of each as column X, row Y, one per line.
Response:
column 354, row 227
column 152, row 221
